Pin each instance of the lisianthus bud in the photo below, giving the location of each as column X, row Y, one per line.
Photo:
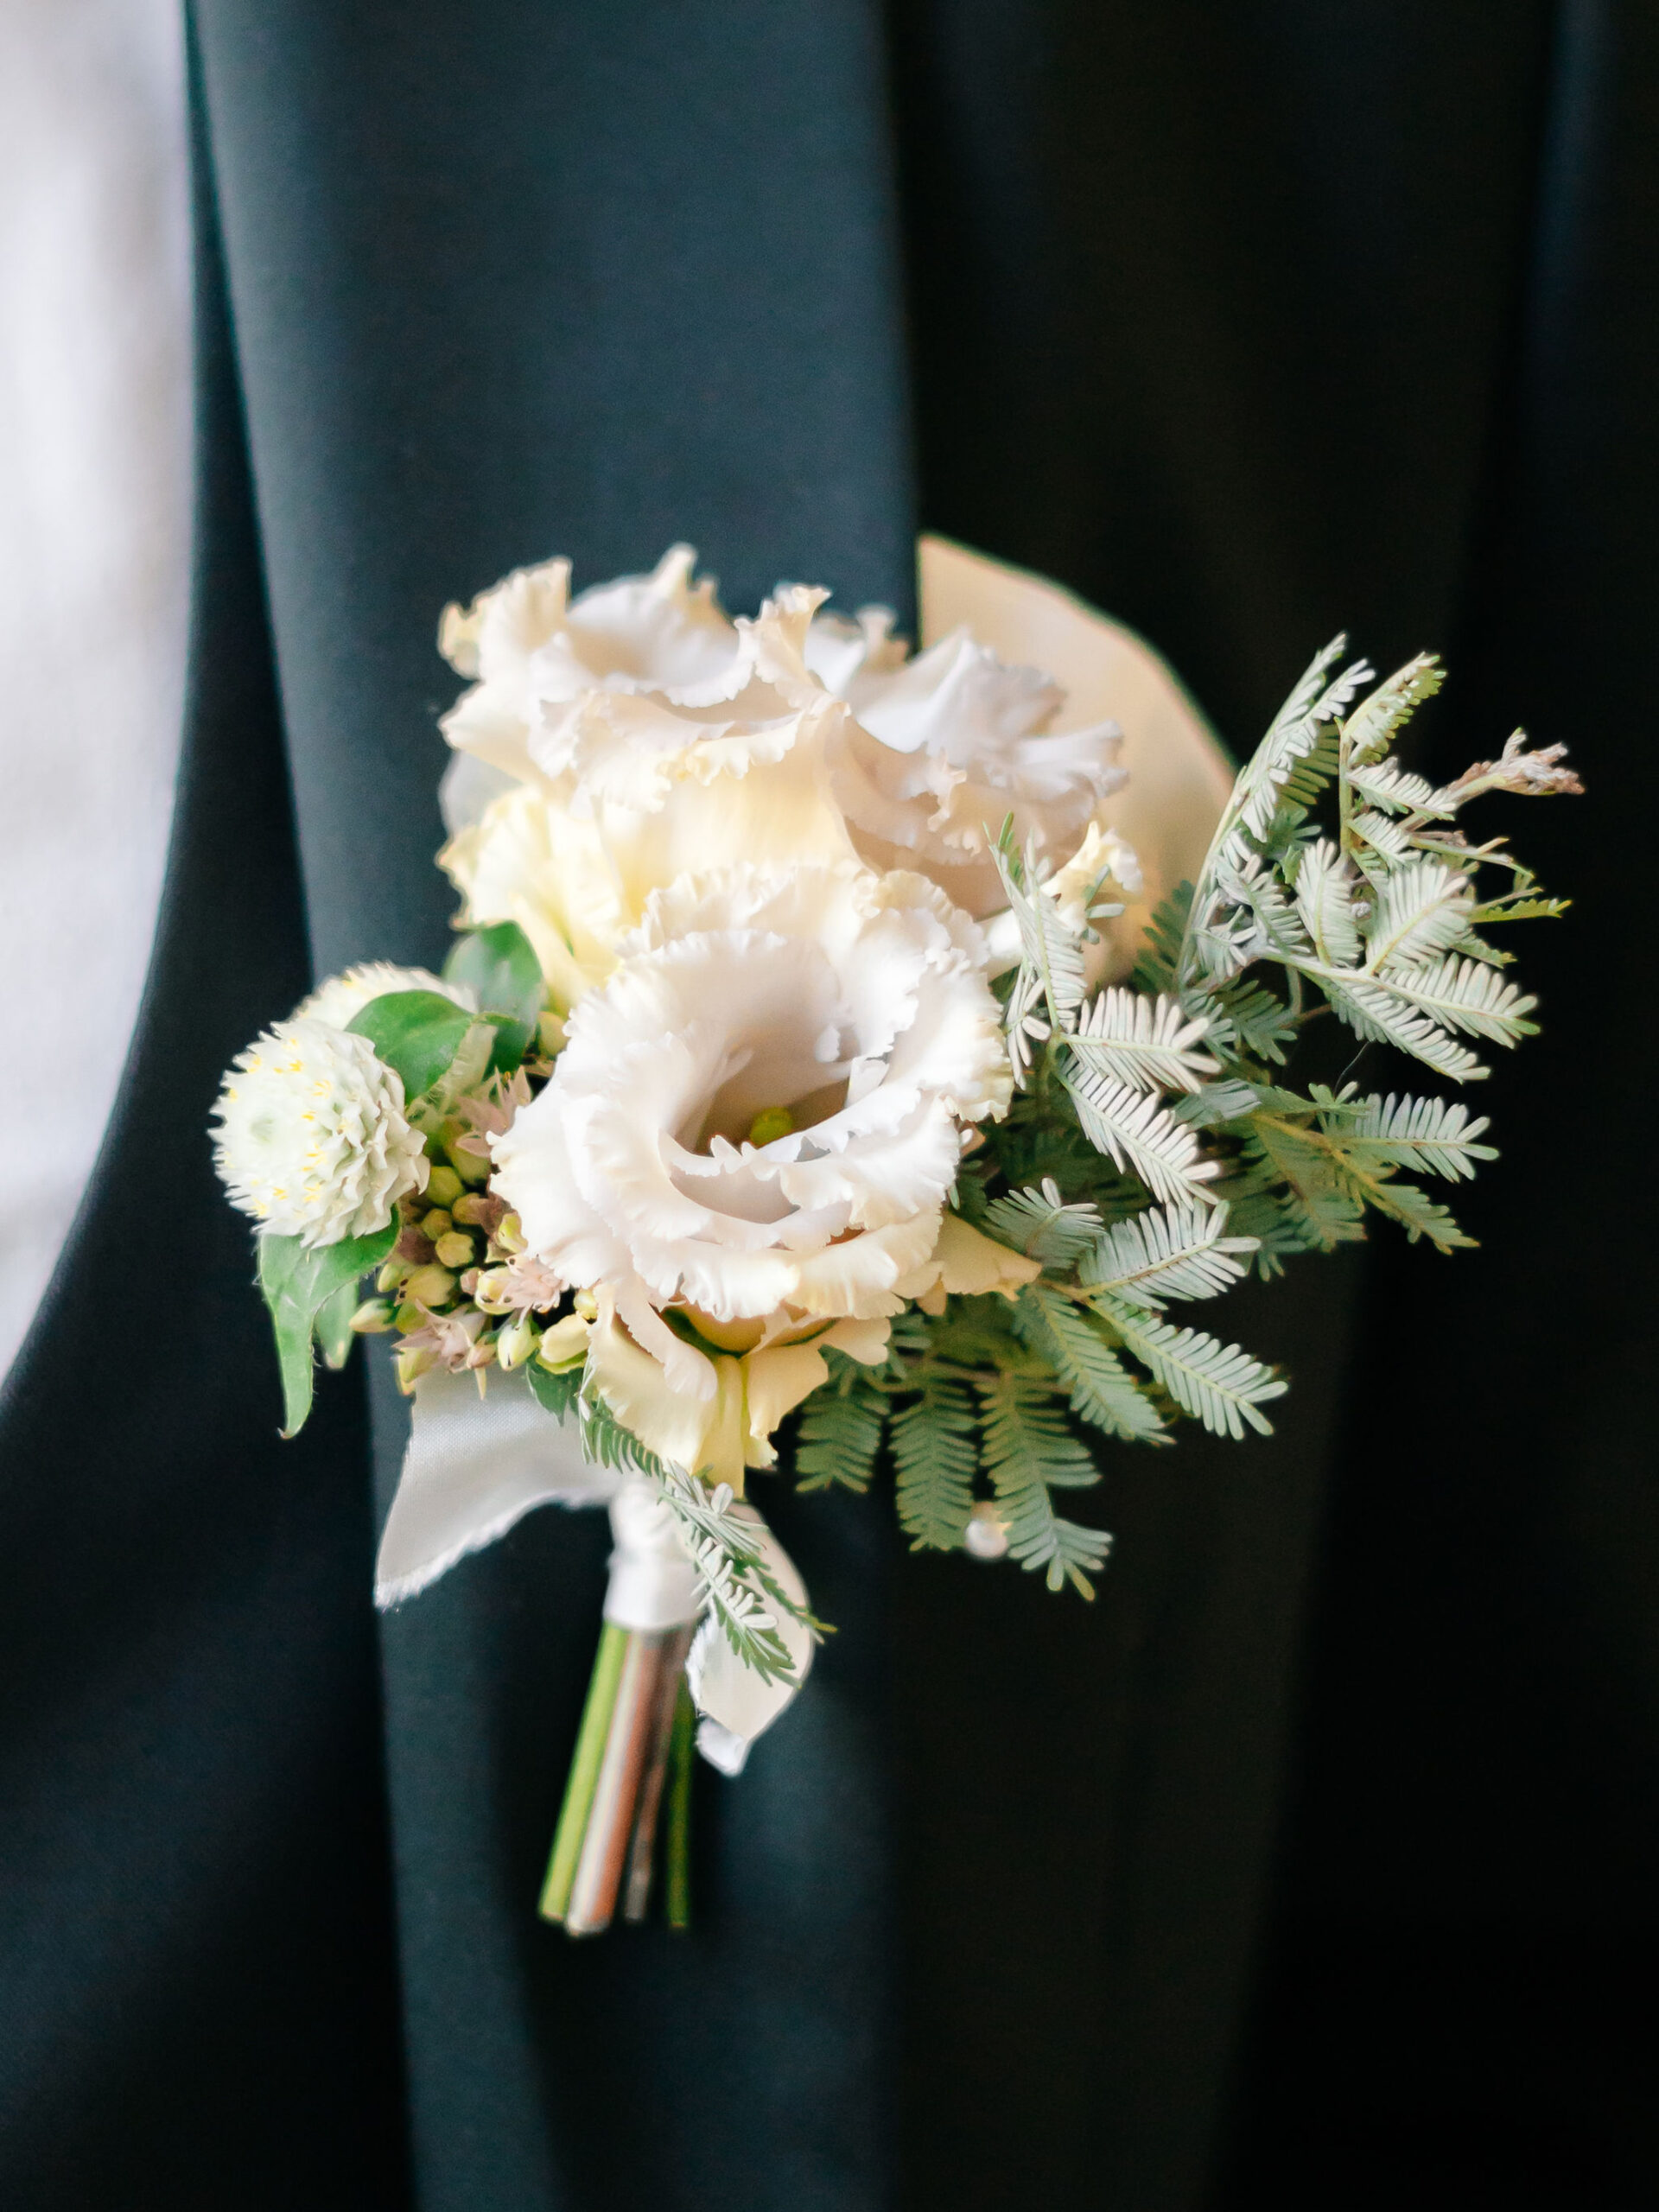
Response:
column 372, row 1317
column 429, row 1287
column 455, row 1249
column 436, row 1224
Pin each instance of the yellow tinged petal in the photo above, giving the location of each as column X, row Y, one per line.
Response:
column 674, row 1426
column 966, row 1264
column 777, row 1381
column 566, row 1340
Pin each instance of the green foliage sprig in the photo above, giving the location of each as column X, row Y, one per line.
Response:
column 1156, row 1151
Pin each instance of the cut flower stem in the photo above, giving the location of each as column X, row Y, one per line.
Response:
column 584, row 1772
column 633, row 1749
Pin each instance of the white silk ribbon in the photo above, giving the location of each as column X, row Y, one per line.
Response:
column 476, row 1464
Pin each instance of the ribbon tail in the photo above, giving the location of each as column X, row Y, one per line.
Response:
column 475, row 1466
column 736, row 1704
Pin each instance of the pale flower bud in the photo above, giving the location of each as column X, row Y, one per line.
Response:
column 565, row 1343
column 443, row 1186
column 515, row 1343
column 412, row 1361
column 429, row 1287
column 493, row 1289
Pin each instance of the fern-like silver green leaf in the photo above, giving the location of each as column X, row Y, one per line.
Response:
column 726, row 1550
column 1422, row 910
column 935, row 1455
column 1396, row 790
column 839, row 1438
column 1041, row 1223
column 1136, row 1132
column 1325, row 901
column 1386, row 1014
column 1145, row 1043
column 1051, row 950
column 1178, row 1252
column 1377, row 722
column 1217, row 1103
column 1218, row 1385
column 1028, row 1452
column 1437, row 1137
column 1466, row 995
column 1102, row 1391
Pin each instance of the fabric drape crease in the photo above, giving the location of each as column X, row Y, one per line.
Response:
column 1245, row 325
column 195, row 1934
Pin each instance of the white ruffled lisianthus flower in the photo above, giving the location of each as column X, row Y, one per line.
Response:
column 945, row 747
column 659, row 735
column 1178, row 779
column 531, row 646
column 759, row 1119
column 630, row 786
column 343, row 998
column 529, row 859
column 312, row 1141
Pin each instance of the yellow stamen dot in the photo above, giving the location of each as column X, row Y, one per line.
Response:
column 771, row 1123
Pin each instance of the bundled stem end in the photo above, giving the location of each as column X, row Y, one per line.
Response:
column 635, row 1733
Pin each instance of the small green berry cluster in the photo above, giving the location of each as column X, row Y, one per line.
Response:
column 448, row 1289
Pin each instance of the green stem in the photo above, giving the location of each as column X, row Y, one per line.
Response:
column 584, row 1773
column 678, row 1870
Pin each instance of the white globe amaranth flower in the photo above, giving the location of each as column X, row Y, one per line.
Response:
column 343, row 998
column 944, row 746
column 632, row 788
column 311, row 1140
column 758, row 1117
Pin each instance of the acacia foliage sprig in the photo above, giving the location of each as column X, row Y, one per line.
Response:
column 1158, row 1148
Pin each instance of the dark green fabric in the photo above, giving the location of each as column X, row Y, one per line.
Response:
column 196, row 1966
column 1246, row 323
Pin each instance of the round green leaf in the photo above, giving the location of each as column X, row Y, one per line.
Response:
column 416, row 1033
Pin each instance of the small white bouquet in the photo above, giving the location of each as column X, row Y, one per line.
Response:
column 885, row 1041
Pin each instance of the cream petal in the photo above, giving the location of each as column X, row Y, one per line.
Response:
column 735, row 988
column 527, row 860
column 775, row 1381
column 859, row 1277
column 1180, row 778
column 648, row 1398
column 966, row 1263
